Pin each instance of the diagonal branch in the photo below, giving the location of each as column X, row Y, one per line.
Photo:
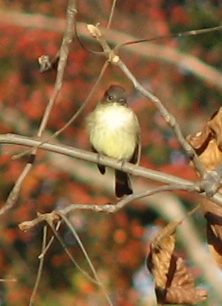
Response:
column 168, row 117
column 64, row 50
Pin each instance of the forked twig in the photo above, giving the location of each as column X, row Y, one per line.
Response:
column 50, row 241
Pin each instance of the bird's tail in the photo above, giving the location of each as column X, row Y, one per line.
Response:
column 123, row 184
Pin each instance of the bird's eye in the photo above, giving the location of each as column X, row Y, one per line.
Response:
column 110, row 98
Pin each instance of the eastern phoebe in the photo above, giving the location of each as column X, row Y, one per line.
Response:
column 114, row 131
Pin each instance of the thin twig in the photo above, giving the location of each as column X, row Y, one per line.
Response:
column 15, row 190
column 182, row 34
column 63, row 56
column 50, row 241
column 147, row 193
column 100, row 284
column 41, row 262
column 70, row 255
column 111, row 14
column 192, row 211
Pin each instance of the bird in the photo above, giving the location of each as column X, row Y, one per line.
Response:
column 114, row 131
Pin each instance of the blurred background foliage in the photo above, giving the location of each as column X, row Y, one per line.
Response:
column 117, row 244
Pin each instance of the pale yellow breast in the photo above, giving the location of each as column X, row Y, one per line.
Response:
column 113, row 130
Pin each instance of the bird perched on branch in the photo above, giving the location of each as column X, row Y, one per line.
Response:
column 114, row 132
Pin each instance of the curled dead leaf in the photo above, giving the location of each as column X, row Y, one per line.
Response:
column 174, row 283
column 208, row 145
column 162, row 247
column 208, row 142
column 213, row 214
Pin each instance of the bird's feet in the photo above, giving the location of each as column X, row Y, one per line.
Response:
column 101, row 168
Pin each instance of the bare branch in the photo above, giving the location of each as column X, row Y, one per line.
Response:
column 153, row 175
column 109, row 208
column 93, row 157
column 63, row 56
column 67, row 39
column 41, row 262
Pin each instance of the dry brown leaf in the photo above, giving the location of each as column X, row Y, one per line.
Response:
column 174, row 283
column 162, row 247
column 215, row 125
column 208, row 142
column 181, row 289
column 213, row 214
column 208, row 145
